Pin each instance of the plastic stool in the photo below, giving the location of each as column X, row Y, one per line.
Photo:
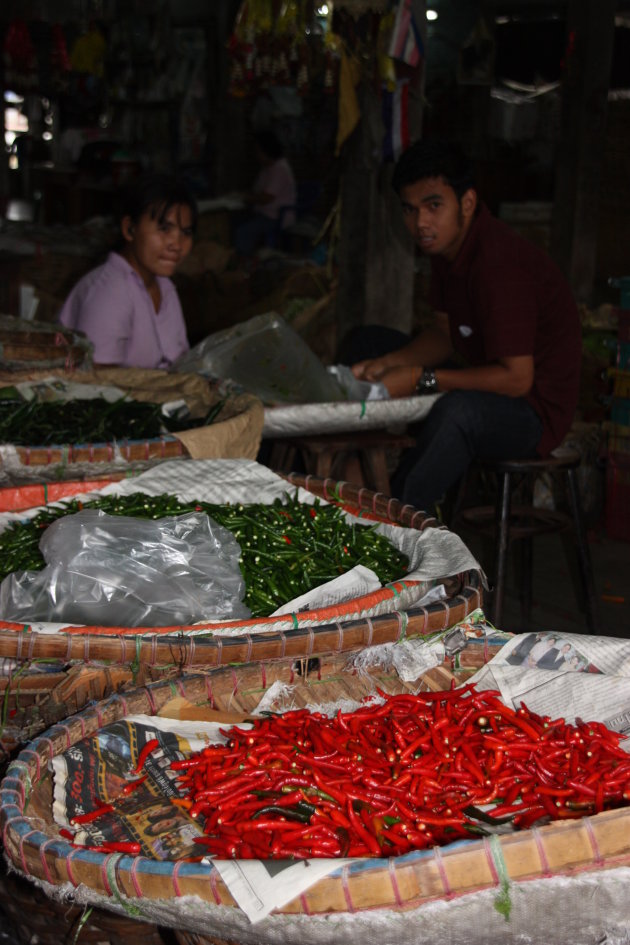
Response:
column 507, row 523
column 357, row 457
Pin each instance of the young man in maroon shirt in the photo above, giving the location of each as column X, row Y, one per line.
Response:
column 502, row 306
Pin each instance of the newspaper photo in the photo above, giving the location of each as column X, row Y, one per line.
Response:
column 572, row 676
column 112, row 768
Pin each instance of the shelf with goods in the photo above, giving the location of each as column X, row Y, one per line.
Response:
column 618, row 427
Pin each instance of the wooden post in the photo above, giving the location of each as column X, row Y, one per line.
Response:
column 578, row 170
column 375, row 253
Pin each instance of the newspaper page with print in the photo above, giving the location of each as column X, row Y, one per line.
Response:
column 99, row 770
column 567, row 675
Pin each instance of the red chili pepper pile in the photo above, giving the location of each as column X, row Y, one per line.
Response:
column 406, row 774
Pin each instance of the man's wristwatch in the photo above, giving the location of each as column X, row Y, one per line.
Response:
column 427, row 384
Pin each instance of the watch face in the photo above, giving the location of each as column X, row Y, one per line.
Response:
column 427, row 381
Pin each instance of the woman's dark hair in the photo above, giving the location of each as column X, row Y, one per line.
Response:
column 269, row 144
column 155, row 194
column 434, row 158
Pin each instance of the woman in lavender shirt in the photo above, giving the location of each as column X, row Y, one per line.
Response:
column 128, row 307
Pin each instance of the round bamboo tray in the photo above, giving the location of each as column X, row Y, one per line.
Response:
column 33, row 700
column 235, row 432
column 364, row 889
column 331, row 629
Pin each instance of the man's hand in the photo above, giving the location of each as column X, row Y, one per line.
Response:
column 373, row 368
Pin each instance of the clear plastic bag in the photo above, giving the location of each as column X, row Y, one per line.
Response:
column 266, row 357
column 112, row 570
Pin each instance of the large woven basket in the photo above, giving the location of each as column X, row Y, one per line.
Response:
column 235, row 433
column 356, row 899
column 325, row 630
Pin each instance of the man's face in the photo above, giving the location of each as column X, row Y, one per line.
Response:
column 436, row 219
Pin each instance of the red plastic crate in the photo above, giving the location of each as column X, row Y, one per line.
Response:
column 618, row 496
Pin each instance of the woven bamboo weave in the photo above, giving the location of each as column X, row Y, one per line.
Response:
column 34, row 846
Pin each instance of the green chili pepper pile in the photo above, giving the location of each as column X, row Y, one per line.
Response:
column 410, row 773
column 286, row 548
column 36, row 423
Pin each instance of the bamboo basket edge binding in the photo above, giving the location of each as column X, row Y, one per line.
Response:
column 559, row 848
column 163, row 657
column 160, row 448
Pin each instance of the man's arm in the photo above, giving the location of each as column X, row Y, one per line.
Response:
column 432, row 346
column 512, row 377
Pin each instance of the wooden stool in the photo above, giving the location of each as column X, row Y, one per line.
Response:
column 507, row 523
column 354, row 457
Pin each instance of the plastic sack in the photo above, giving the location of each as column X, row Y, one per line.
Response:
column 266, row 357
column 112, row 570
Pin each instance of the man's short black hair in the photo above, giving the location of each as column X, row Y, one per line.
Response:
column 434, row 158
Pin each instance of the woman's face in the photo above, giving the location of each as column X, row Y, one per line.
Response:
column 155, row 247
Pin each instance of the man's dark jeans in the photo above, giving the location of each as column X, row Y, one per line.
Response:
column 462, row 426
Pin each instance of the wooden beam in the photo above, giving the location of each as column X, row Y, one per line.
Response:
column 375, row 253
column 590, row 32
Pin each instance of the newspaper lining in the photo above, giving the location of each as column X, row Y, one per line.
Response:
column 566, row 675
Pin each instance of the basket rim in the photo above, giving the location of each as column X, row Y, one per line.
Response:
column 96, row 444
column 405, row 875
column 21, row 642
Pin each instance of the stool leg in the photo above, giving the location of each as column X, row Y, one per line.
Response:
column 375, row 474
column 503, row 527
column 322, row 464
column 526, row 560
column 584, row 554
column 282, row 457
column 526, row 581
